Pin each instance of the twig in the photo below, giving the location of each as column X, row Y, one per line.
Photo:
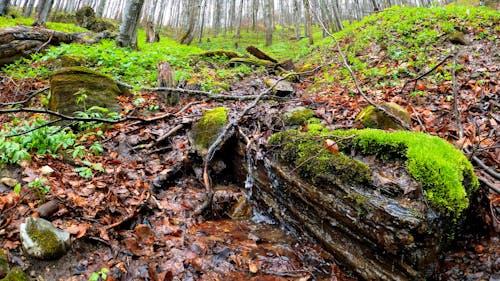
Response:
column 27, row 99
column 220, row 139
column 455, row 97
column 356, row 82
column 71, row 118
column 165, row 136
column 425, row 73
column 46, row 43
column 34, row 129
column 489, row 185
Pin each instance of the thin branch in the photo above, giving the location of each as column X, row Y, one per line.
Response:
column 27, row 99
column 34, row 129
column 356, row 82
column 425, row 73
column 455, row 97
column 71, row 118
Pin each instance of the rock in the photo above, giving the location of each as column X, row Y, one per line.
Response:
column 204, row 132
column 384, row 204
column 297, row 116
column 371, row 117
column 86, row 18
column 458, row 38
column 16, row 274
column 10, row 175
column 41, row 240
column 70, row 83
column 282, row 88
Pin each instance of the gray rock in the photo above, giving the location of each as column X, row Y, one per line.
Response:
column 41, row 240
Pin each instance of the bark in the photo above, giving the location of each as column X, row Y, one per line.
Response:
column 4, row 7
column 22, row 41
column 255, row 11
column 376, row 8
column 127, row 36
column 42, row 12
column 336, row 14
column 193, row 13
column 239, row 19
column 296, row 13
column 217, row 14
column 259, row 54
column 268, row 21
column 309, row 34
column 151, row 34
column 100, row 8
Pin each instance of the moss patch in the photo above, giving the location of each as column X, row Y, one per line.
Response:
column 298, row 116
column 47, row 240
column 446, row 175
column 16, row 274
column 306, row 153
column 207, row 129
column 370, row 117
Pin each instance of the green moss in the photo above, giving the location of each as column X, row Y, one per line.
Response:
column 16, row 274
column 298, row 116
column 207, row 129
column 370, row 117
column 306, row 153
column 446, row 175
column 4, row 263
column 46, row 238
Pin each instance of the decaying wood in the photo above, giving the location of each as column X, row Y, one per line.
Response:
column 166, row 79
column 22, row 41
column 219, row 53
column 259, row 54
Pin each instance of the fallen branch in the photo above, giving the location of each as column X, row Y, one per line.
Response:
column 356, row 82
column 226, row 132
column 424, row 74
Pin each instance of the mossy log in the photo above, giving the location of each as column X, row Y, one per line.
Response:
column 259, row 54
column 22, row 41
column 371, row 213
column 220, row 53
column 253, row 61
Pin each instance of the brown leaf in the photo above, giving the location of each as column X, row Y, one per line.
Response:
column 331, row 146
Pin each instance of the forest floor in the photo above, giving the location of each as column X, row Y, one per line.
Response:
column 122, row 219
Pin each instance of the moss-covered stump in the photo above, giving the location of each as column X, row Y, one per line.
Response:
column 78, row 89
column 373, row 118
column 281, row 88
column 204, row 132
column 383, row 203
column 41, row 240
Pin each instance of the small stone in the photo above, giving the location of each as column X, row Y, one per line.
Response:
column 46, row 170
column 41, row 240
column 9, row 181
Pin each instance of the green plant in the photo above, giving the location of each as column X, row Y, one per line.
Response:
column 99, row 275
column 87, row 170
column 39, row 187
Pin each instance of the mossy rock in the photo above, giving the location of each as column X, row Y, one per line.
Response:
column 69, row 83
column 373, row 118
column 69, row 60
column 445, row 174
column 457, row 37
column 297, row 116
column 41, row 240
column 16, row 274
column 204, row 132
column 281, row 88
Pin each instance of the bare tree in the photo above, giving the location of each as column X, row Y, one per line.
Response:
column 193, row 11
column 127, row 36
column 42, row 12
column 4, row 7
column 309, row 32
column 217, row 15
column 268, row 21
column 100, row 8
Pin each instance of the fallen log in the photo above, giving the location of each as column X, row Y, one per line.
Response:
column 22, row 41
column 259, row 54
column 371, row 214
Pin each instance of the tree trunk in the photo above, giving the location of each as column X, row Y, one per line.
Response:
column 4, row 7
column 151, row 34
column 309, row 32
column 193, row 13
column 217, row 14
column 268, row 21
column 42, row 12
column 127, row 36
column 100, row 8
column 255, row 11
column 296, row 13
column 240, row 16
column 336, row 14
